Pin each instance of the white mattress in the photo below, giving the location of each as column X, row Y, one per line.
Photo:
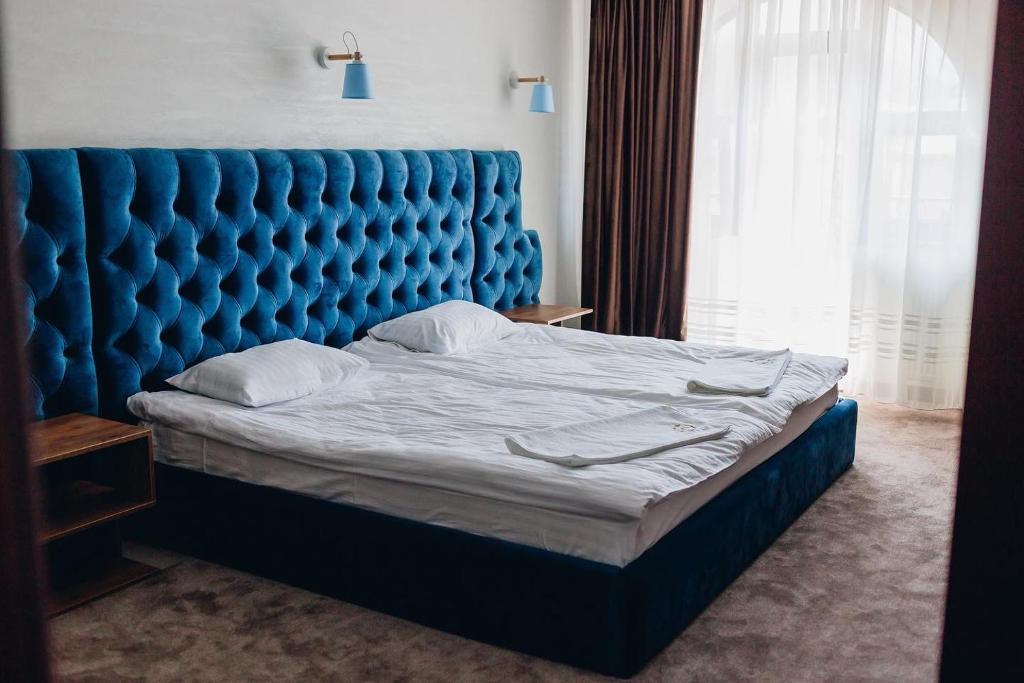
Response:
column 421, row 437
column 615, row 542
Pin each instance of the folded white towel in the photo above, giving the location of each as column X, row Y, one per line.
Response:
column 614, row 439
column 750, row 375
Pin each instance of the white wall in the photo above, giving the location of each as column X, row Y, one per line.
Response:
column 241, row 73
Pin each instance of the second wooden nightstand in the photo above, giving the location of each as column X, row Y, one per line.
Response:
column 545, row 314
column 92, row 472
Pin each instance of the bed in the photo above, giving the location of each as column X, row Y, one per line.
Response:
column 178, row 256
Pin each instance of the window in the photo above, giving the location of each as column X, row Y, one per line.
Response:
column 837, row 176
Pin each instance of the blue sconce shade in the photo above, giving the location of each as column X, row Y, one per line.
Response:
column 358, row 85
column 543, row 98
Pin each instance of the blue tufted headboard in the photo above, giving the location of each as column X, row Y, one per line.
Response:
column 47, row 213
column 507, row 269
column 194, row 253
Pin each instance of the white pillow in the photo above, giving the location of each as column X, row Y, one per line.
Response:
column 452, row 327
column 270, row 373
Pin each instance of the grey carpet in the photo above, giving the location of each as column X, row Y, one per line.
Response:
column 853, row 591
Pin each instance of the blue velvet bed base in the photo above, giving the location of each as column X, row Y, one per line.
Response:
column 609, row 619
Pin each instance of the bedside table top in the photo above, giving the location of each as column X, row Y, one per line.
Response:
column 545, row 314
column 70, row 435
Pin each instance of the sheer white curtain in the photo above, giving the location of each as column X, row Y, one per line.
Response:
column 837, row 184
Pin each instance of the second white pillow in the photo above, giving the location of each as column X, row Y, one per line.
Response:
column 271, row 373
column 452, row 327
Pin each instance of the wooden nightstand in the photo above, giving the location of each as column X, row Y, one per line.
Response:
column 545, row 314
column 92, row 472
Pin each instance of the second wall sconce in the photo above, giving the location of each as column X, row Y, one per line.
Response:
column 542, row 100
column 358, row 85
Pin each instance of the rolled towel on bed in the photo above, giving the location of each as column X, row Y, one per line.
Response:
column 614, row 439
column 751, row 375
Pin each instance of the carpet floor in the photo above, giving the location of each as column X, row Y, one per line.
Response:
column 853, row 591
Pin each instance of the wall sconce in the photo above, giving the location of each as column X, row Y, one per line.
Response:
column 358, row 85
column 542, row 100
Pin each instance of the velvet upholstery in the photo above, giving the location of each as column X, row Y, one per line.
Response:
column 47, row 213
column 589, row 614
column 194, row 253
column 186, row 254
column 507, row 272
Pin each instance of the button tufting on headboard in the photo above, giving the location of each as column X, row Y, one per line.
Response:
column 507, row 269
column 48, row 216
column 316, row 244
column 194, row 253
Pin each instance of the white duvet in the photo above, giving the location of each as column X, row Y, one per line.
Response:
column 441, row 421
column 639, row 368
column 445, row 432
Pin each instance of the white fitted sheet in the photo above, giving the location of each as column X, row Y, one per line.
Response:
column 612, row 541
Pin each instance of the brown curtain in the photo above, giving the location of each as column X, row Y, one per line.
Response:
column 643, row 82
